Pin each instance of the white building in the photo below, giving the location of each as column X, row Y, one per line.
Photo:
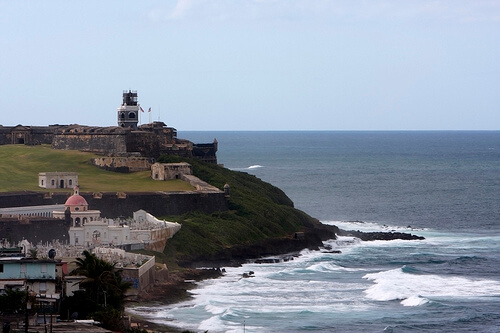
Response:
column 44, row 210
column 88, row 229
column 57, row 179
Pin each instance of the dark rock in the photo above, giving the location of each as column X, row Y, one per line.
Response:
column 371, row 236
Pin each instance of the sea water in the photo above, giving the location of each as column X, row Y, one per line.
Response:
column 444, row 186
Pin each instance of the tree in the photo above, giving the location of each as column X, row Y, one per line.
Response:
column 102, row 281
column 103, row 288
column 12, row 301
column 33, row 253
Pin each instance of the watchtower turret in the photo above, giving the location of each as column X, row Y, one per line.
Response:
column 128, row 112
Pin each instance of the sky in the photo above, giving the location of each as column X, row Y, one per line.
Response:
column 254, row 64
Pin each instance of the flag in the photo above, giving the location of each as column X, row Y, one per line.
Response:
column 142, row 110
column 149, row 110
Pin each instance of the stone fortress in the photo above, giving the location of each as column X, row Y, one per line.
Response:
column 126, row 140
column 126, row 147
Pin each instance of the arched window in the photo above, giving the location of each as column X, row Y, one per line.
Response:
column 122, row 115
column 131, row 115
column 70, row 182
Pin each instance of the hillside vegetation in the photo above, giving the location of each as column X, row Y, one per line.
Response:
column 257, row 211
column 20, row 165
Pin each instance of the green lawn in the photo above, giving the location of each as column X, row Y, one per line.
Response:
column 20, row 165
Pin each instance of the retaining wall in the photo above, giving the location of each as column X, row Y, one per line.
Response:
column 114, row 205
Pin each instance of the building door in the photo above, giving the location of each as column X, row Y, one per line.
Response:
column 61, row 183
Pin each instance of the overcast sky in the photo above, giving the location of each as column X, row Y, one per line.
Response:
column 254, row 64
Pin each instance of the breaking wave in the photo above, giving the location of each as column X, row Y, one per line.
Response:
column 417, row 289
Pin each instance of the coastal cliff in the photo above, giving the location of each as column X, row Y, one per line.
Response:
column 260, row 221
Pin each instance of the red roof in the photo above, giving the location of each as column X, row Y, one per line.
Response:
column 76, row 200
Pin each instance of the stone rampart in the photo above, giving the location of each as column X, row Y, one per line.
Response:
column 103, row 143
column 113, row 205
column 150, row 140
column 123, row 164
column 35, row 229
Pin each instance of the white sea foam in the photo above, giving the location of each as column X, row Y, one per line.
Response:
column 324, row 267
column 415, row 289
column 370, row 226
column 414, row 301
column 317, row 284
column 251, row 167
column 214, row 323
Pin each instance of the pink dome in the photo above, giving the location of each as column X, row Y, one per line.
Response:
column 76, row 200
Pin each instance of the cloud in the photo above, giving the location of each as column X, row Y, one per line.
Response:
column 328, row 10
column 180, row 10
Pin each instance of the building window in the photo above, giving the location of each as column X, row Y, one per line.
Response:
column 53, row 182
column 70, row 182
column 23, row 268
column 44, row 268
column 1, row 268
column 43, row 287
column 131, row 115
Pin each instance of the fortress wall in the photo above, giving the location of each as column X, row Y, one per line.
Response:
column 146, row 143
column 158, row 203
column 29, row 135
column 5, row 136
column 111, row 205
column 105, row 143
column 123, row 164
column 21, row 199
column 34, row 229
column 41, row 136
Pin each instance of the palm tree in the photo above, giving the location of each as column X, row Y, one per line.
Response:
column 102, row 281
column 33, row 253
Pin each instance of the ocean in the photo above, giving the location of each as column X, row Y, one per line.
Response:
column 443, row 185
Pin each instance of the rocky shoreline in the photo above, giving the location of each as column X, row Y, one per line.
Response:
column 176, row 288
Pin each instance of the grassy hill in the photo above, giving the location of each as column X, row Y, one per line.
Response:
column 258, row 212
column 20, row 165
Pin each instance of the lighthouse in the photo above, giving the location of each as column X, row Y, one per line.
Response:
column 128, row 112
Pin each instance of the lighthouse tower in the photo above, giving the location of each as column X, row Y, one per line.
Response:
column 128, row 112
